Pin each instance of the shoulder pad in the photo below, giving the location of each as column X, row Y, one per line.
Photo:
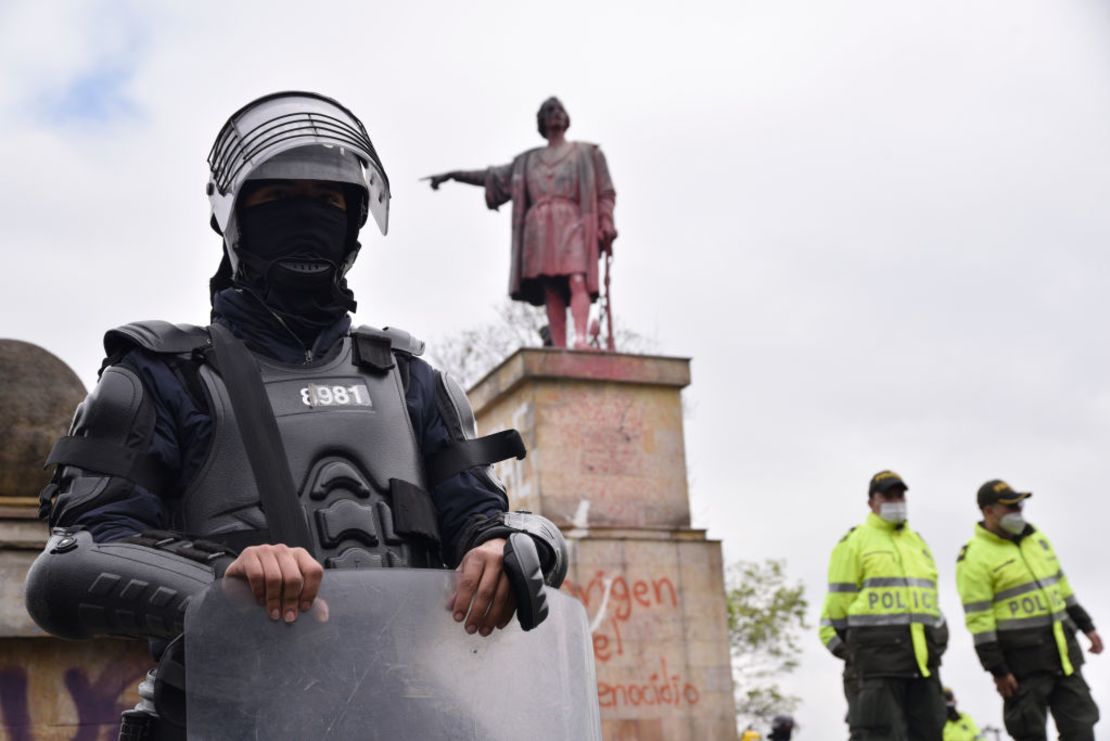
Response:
column 963, row 552
column 455, row 408
column 156, row 336
column 399, row 339
column 847, row 534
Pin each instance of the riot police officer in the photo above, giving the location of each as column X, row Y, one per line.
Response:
column 278, row 441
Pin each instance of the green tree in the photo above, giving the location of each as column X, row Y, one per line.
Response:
column 766, row 617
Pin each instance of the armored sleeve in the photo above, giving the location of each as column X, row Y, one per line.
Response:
column 133, row 441
column 121, row 458
column 844, row 585
column 973, row 581
column 466, row 496
column 106, row 478
column 138, row 587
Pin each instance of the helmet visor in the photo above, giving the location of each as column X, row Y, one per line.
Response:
column 284, row 122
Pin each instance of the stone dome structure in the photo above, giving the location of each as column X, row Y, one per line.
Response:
column 38, row 395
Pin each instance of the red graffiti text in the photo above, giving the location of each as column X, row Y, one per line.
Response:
column 660, row 688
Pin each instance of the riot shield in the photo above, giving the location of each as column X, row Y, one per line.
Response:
column 384, row 660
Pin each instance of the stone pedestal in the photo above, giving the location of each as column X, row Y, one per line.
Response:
column 606, row 462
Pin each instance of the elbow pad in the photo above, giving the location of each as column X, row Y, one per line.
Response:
column 550, row 544
column 80, row 589
column 535, row 557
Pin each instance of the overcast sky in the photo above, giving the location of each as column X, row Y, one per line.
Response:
column 879, row 229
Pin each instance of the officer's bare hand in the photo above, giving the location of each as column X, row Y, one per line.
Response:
column 1096, row 642
column 483, row 590
column 1007, row 686
column 283, row 579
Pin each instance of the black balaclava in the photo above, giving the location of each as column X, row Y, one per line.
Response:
column 291, row 256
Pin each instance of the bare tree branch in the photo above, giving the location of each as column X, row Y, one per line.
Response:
column 474, row 352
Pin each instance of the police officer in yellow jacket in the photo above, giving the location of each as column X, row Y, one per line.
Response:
column 882, row 617
column 1023, row 617
column 959, row 726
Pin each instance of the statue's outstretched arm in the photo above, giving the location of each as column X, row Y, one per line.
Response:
column 470, row 177
column 497, row 182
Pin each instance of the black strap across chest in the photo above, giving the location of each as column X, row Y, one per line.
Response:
column 261, row 439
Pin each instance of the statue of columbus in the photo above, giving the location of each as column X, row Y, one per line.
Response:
column 562, row 221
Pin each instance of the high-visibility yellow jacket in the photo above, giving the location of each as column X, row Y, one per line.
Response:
column 963, row 729
column 1018, row 604
column 881, row 612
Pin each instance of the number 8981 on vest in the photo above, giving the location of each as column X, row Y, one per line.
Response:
column 323, row 395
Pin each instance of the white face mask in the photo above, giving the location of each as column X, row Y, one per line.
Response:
column 1013, row 522
column 894, row 512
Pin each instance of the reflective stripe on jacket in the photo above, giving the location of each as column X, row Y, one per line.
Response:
column 1014, row 591
column 882, row 589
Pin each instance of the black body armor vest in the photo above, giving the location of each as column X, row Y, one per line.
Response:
column 350, row 446
column 352, row 452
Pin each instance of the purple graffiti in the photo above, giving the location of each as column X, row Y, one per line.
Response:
column 97, row 701
column 13, row 703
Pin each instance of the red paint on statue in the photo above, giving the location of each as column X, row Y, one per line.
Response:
column 562, row 221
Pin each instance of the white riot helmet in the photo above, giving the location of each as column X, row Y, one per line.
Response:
column 293, row 136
